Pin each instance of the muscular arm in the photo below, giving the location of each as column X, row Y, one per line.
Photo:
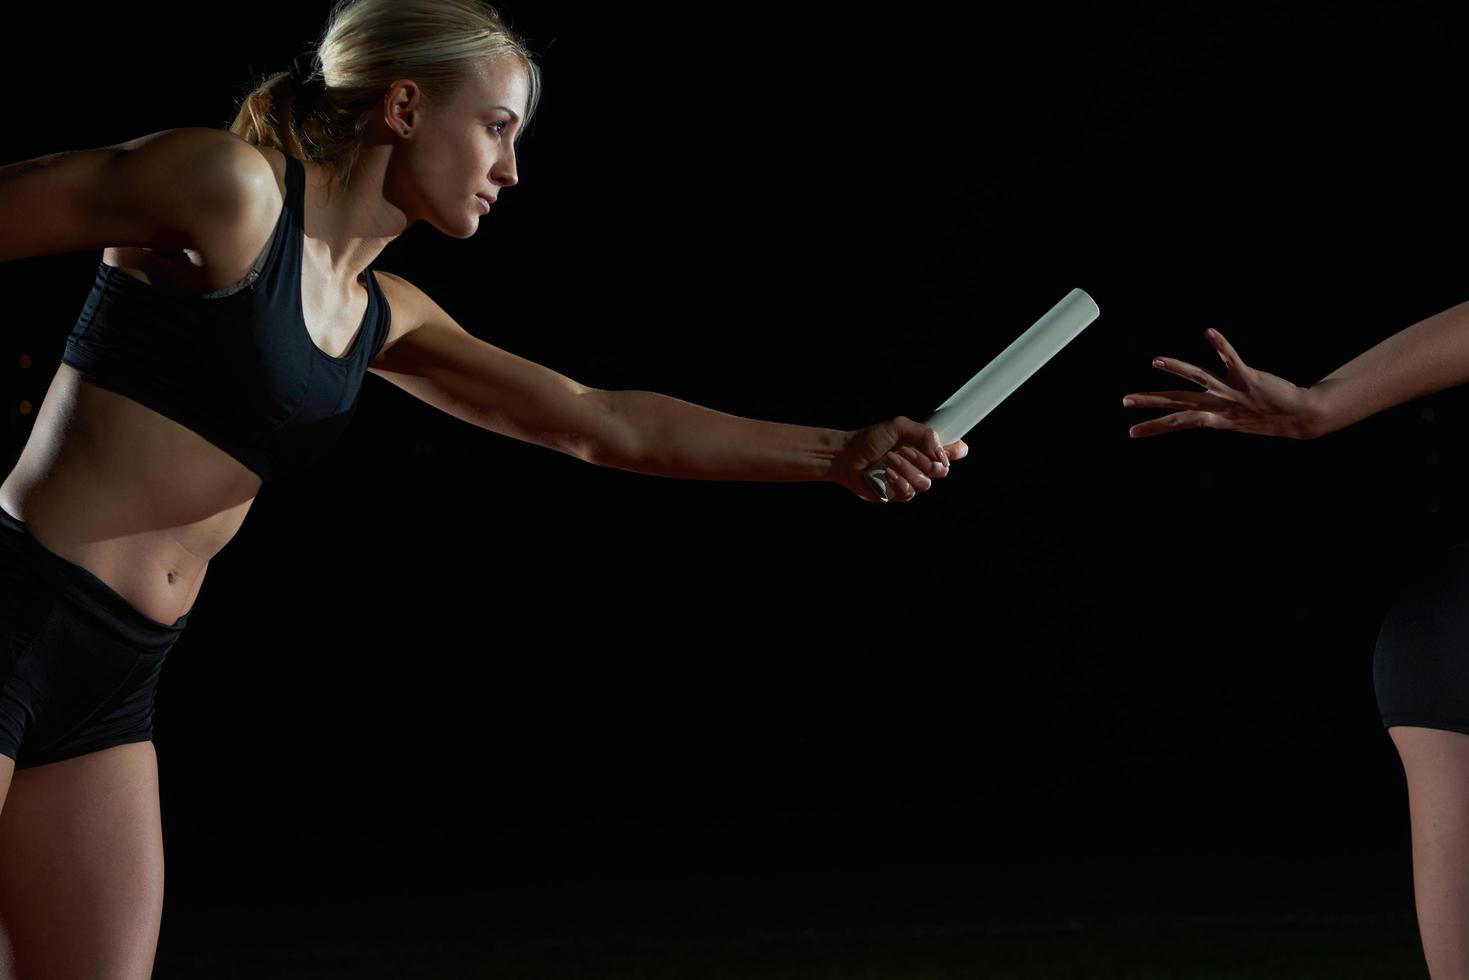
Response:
column 664, row 436
column 157, row 191
column 437, row 361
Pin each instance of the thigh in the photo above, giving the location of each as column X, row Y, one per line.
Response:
column 1437, row 767
column 81, row 865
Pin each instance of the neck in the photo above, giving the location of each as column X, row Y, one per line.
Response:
column 348, row 227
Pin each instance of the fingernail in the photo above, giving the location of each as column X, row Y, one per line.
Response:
column 1157, row 362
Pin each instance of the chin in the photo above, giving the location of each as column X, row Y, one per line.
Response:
column 464, row 228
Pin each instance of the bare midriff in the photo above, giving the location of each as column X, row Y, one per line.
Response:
column 137, row 499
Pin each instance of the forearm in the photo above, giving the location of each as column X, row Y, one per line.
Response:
column 1429, row 356
column 662, row 436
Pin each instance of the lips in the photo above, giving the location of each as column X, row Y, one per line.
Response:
column 484, row 202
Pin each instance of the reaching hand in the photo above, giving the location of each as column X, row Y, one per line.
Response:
column 910, row 471
column 1244, row 399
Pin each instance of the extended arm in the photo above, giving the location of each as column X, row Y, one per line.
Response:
column 1429, row 356
column 664, row 436
column 436, row 360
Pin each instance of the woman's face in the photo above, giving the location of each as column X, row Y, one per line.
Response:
column 465, row 148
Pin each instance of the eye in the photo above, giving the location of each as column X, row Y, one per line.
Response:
column 503, row 126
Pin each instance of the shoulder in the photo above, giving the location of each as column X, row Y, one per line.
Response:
column 181, row 188
column 406, row 303
column 231, row 178
column 414, row 312
column 253, row 176
column 399, row 291
column 209, row 160
column 225, row 179
column 239, row 190
column 185, row 141
column 412, row 306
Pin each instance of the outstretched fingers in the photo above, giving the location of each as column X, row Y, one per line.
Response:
column 1172, row 423
column 1226, row 350
column 1205, row 379
column 1211, row 408
column 1174, row 399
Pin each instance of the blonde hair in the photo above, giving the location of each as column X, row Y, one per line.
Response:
column 368, row 44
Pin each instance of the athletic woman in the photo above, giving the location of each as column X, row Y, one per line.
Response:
column 1421, row 662
column 233, row 316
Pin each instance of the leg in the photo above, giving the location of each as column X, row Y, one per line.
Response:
column 1437, row 766
column 81, row 865
column 7, row 955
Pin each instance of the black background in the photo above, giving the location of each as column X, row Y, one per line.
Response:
column 1083, row 670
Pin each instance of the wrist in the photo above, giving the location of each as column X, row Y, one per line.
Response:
column 835, row 460
column 1317, row 413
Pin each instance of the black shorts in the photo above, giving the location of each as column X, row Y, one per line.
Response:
column 1421, row 665
column 79, row 666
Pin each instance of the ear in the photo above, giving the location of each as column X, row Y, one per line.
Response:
column 401, row 104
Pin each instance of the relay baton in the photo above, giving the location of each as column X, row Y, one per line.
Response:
column 1009, row 370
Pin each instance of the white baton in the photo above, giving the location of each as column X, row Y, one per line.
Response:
column 1009, row 370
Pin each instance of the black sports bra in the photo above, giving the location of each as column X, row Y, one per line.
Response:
column 235, row 365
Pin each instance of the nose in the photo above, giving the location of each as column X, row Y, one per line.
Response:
column 503, row 172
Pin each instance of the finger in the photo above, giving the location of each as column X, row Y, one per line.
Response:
column 1226, row 350
column 934, row 450
column 924, row 437
column 1174, row 399
column 911, row 465
column 925, row 467
column 1184, row 369
column 1176, row 422
column 957, row 449
column 908, row 476
column 898, row 488
column 925, row 463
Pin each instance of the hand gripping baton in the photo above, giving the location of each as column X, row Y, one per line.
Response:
column 1009, row 370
